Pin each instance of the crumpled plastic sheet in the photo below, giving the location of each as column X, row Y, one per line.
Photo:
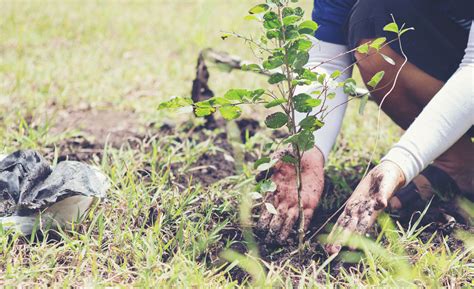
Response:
column 33, row 194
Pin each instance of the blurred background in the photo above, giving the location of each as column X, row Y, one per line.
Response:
column 58, row 56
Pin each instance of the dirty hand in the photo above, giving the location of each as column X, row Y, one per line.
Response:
column 285, row 198
column 368, row 200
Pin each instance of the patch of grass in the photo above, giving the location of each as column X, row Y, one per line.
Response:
column 153, row 230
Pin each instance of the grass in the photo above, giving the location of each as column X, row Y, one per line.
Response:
column 61, row 55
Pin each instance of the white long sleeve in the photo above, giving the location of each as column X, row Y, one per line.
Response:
column 444, row 120
column 323, row 51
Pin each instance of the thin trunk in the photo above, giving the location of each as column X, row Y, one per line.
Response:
column 296, row 148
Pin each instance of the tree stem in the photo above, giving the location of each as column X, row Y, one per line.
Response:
column 299, row 186
column 294, row 131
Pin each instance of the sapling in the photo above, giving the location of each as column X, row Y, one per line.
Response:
column 283, row 53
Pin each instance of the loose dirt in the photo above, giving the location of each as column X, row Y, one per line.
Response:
column 92, row 130
column 89, row 131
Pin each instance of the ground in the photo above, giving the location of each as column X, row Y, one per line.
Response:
column 82, row 80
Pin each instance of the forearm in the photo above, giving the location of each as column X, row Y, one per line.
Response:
column 323, row 51
column 446, row 118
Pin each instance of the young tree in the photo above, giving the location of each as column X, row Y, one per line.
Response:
column 283, row 49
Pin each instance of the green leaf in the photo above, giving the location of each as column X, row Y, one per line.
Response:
column 374, row 81
column 230, row 112
column 310, row 123
column 260, row 161
column 335, row 74
column 391, row 27
column 273, row 62
column 271, row 21
column 331, row 95
column 251, row 67
column 363, row 102
column 251, row 17
column 301, row 59
column 275, row 102
column 256, row 94
column 276, row 77
column 291, row 19
column 291, row 33
column 274, row 33
column 260, row 8
column 377, row 43
column 349, row 86
column 321, row 78
column 264, row 164
column 236, row 94
column 299, row 11
column 204, row 111
column 304, row 44
column 288, row 11
column 276, row 120
column 176, row 102
column 364, row 48
column 309, row 75
column 305, row 103
column 219, row 101
column 307, row 27
column 304, row 140
column 274, row 3
column 266, row 186
column 289, row 159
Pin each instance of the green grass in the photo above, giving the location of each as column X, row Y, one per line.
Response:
column 59, row 55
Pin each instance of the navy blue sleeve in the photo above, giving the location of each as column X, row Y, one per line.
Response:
column 331, row 16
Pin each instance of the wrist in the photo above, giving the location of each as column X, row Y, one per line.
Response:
column 317, row 155
column 395, row 172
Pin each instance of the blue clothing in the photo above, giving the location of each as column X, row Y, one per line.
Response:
column 331, row 16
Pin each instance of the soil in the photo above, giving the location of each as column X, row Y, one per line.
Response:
column 211, row 167
column 95, row 129
column 92, row 130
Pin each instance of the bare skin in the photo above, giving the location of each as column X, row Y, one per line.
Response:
column 403, row 105
column 285, row 198
column 365, row 204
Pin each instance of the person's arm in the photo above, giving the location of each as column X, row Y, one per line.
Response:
column 444, row 120
column 323, row 51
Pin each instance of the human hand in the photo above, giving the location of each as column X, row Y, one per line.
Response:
column 366, row 202
column 278, row 227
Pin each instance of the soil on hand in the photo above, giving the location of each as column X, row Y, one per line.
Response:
column 93, row 130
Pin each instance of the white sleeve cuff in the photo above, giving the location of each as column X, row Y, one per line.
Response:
column 323, row 51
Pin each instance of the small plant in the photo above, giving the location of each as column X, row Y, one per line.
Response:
column 283, row 51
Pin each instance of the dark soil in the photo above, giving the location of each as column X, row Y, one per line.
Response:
column 211, row 167
column 96, row 129
column 91, row 130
